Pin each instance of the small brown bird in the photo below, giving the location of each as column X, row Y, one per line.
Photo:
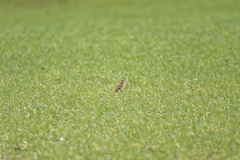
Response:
column 121, row 86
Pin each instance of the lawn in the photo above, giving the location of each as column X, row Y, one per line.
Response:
column 60, row 62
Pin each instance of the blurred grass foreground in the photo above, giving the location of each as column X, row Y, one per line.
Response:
column 61, row 60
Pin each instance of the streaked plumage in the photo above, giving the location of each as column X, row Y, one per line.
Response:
column 120, row 86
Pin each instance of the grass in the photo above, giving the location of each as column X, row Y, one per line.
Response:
column 61, row 61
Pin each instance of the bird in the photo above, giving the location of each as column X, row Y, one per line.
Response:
column 121, row 86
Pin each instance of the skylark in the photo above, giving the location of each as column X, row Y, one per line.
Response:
column 121, row 86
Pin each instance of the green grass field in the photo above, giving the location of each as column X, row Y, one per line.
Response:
column 60, row 62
